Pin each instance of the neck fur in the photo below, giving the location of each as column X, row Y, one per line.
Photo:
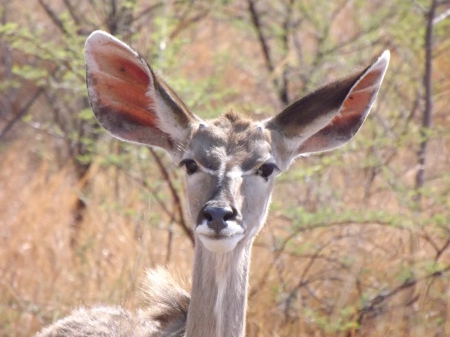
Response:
column 219, row 292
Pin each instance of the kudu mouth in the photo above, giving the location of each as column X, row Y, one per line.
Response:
column 219, row 227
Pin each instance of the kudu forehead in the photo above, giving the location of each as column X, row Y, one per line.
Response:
column 230, row 139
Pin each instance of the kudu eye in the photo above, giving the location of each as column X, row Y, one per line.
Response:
column 191, row 166
column 266, row 170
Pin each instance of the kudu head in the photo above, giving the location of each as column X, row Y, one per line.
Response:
column 230, row 162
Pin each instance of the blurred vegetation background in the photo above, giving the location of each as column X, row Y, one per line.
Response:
column 357, row 241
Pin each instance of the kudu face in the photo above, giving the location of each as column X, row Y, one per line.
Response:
column 230, row 162
column 230, row 170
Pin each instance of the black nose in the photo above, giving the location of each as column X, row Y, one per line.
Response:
column 217, row 217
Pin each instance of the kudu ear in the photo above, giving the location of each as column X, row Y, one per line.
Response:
column 331, row 116
column 128, row 99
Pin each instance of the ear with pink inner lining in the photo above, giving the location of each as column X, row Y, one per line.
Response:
column 331, row 116
column 128, row 100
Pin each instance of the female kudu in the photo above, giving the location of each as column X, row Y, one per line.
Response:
column 231, row 163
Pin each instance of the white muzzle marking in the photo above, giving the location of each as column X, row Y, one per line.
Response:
column 223, row 243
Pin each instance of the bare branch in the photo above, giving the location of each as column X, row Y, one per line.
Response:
column 426, row 121
column 281, row 85
column 175, row 196
column 21, row 113
column 51, row 14
column 71, row 10
column 262, row 39
column 411, row 282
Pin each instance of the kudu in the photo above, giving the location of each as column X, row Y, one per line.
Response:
column 231, row 163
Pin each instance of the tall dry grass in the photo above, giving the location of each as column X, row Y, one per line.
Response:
column 42, row 276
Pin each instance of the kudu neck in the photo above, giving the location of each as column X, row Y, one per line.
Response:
column 219, row 292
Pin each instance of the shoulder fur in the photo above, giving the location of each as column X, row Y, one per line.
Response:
column 164, row 315
column 167, row 302
column 99, row 321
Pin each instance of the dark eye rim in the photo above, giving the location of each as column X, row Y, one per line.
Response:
column 266, row 170
column 190, row 164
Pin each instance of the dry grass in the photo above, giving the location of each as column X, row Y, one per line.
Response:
column 42, row 276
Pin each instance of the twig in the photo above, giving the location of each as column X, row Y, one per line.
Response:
column 262, row 39
column 426, row 121
column 58, row 23
column 21, row 113
column 175, row 196
column 377, row 300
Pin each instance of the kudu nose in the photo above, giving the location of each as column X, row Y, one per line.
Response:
column 217, row 217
